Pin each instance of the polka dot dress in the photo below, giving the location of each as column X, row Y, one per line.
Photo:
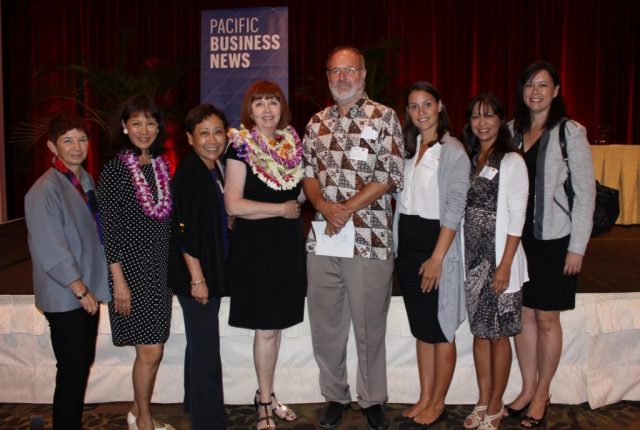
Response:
column 141, row 245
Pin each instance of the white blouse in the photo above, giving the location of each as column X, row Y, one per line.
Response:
column 420, row 195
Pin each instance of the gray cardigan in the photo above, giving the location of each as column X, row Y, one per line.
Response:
column 453, row 184
column 63, row 242
column 551, row 211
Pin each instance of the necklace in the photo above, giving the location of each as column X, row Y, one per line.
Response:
column 161, row 210
column 277, row 162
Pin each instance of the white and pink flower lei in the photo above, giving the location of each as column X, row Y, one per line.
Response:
column 276, row 162
column 161, row 210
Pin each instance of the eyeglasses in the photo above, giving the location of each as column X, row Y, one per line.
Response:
column 351, row 71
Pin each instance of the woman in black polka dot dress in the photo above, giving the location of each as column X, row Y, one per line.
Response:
column 135, row 205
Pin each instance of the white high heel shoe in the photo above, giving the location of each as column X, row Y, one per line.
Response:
column 131, row 422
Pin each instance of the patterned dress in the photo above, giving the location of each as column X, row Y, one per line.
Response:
column 141, row 245
column 490, row 315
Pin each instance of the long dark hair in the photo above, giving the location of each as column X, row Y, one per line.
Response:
column 503, row 144
column 138, row 103
column 410, row 131
column 557, row 111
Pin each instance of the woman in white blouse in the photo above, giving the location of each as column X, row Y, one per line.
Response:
column 428, row 215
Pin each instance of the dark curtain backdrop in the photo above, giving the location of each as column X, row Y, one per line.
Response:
column 461, row 46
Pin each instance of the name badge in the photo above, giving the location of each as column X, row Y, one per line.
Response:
column 432, row 157
column 369, row 133
column 488, row 172
column 358, row 154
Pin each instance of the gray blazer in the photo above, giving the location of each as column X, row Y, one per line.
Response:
column 551, row 211
column 453, row 184
column 63, row 242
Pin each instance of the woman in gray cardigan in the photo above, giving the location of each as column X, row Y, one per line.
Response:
column 428, row 214
column 555, row 234
column 69, row 267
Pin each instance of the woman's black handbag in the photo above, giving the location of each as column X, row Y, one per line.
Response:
column 607, row 207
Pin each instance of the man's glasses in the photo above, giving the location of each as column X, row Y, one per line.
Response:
column 351, row 71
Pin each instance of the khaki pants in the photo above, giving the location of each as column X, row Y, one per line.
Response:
column 341, row 291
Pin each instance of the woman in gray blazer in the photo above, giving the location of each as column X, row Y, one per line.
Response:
column 555, row 234
column 69, row 267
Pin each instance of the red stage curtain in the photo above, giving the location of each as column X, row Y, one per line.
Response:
column 461, row 46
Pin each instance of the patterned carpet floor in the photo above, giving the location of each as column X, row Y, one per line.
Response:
column 112, row 416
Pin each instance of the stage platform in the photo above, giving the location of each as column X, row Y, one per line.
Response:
column 600, row 363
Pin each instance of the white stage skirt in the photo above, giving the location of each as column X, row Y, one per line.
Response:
column 600, row 361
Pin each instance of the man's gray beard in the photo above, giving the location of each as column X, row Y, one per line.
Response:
column 345, row 98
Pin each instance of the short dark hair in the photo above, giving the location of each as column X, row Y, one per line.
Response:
column 262, row 90
column 557, row 111
column 138, row 103
column 63, row 122
column 346, row 48
column 410, row 131
column 202, row 112
column 503, row 143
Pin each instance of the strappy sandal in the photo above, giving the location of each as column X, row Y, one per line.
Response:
column 268, row 418
column 281, row 410
column 487, row 424
column 474, row 417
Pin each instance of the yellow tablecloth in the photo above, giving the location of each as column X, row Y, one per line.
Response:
column 618, row 166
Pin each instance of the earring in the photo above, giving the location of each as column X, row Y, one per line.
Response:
column 125, row 131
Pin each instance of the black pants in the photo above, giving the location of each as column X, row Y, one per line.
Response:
column 203, row 392
column 73, row 337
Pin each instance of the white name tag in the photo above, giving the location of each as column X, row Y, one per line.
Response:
column 358, row 154
column 369, row 133
column 488, row 172
column 432, row 157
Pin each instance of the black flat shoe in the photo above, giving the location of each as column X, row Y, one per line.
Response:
column 515, row 413
column 401, row 419
column 331, row 414
column 376, row 417
column 413, row 425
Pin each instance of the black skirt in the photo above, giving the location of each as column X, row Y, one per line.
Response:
column 548, row 288
column 417, row 238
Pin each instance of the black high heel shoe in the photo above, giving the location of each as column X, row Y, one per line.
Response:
column 515, row 413
column 268, row 418
column 535, row 422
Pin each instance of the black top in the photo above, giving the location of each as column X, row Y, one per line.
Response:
column 196, row 228
column 267, row 265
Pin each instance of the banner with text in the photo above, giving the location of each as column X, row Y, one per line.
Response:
column 239, row 47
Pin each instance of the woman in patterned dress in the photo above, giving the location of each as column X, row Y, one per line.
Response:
column 135, row 204
column 263, row 191
column 494, row 260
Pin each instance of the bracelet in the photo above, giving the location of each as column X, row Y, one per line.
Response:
column 201, row 281
column 84, row 294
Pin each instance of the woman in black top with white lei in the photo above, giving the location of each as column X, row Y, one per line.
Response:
column 263, row 191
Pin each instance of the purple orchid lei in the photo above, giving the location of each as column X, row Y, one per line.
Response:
column 161, row 210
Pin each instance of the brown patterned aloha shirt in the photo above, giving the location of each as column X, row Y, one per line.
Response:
column 328, row 140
